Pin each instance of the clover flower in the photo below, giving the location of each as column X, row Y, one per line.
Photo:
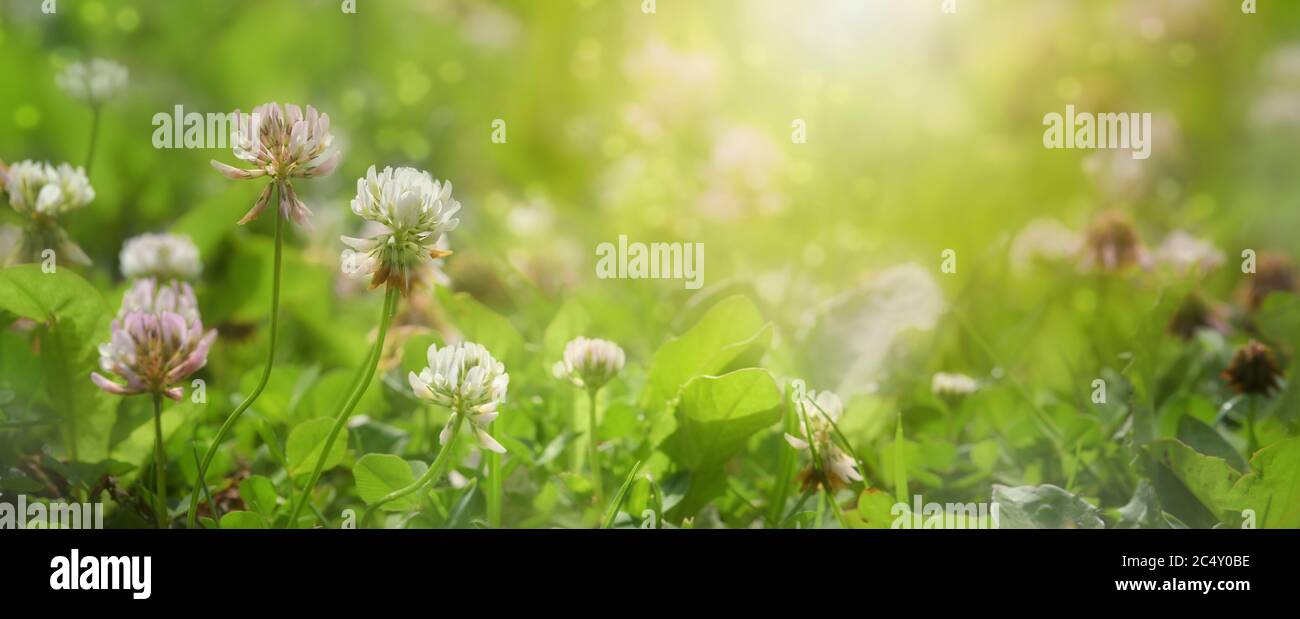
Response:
column 1253, row 370
column 92, row 82
column 1184, row 252
column 160, row 256
column 414, row 210
column 157, row 341
column 949, row 385
column 1112, row 244
column 1043, row 240
column 1274, row 273
column 818, row 413
column 43, row 193
column 1193, row 314
column 590, row 363
column 282, row 145
column 466, row 379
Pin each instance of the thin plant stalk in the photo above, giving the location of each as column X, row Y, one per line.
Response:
column 364, row 375
column 495, row 489
column 1253, row 441
column 593, row 454
column 159, row 464
column 432, row 474
column 261, row 383
column 94, row 137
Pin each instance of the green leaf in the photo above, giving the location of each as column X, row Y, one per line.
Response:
column 242, row 520
column 1204, row 439
column 478, row 323
column 379, row 474
column 259, row 494
column 727, row 332
column 1209, row 479
column 75, row 318
column 1143, row 510
column 1272, row 489
column 717, row 414
column 875, row 509
column 1043, row 507
column 305, row 444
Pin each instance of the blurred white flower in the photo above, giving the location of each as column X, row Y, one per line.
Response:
column 282, row 145
column 742, row 174
column 946, row 384
column 590, row 363
column 1184, row 252
column 161, row 256
column 414, row 212
column 466, row 379
column 40, row 189
column 94, row 82
column 1043, row 240
column 1278, row 105
column 157, row 340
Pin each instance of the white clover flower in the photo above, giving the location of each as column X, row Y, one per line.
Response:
column 42, row 193
column 414, row 210
column 282, row 145
column 465, row 378
column 39, row 189
column 1044, row 240
column 946, row 384
column 818, row 412
column 157, row 340
column 1184, row 252
column 590, row 363
column 94, row 82
column 161, row 256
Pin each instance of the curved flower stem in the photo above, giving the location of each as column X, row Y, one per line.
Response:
column 365, row 373
column 159, row 464
column 261, row 383
column 433, row 474
column 593, row 454
column 94, row 137
column 1252, row 444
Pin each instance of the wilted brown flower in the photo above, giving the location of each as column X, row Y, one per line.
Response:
column 1274, row 273
column 1193, row 314
column 1112, row 243
column 1253, row 370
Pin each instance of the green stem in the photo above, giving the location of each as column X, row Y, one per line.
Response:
column 94, row 137
column 1253, row 445
column 593, row 453
column 159, row 464
column 365, row 373
column 261, row 383
column 494, row 488
column 433, row 473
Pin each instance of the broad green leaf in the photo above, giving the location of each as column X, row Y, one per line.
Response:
column 875, row 509
column 1272, row 488
column 717, row 414
column 379, row 474
column 1206, row 440
column 306, row 442
column 242, row 520
column 1043, row 507
column 731, row 329
column 569, row 322
column 478, row 323
column 1209, row 479
column 74, row 319
column 258, row 494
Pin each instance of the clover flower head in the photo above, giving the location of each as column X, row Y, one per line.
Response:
column 590, row 363
column 1254, row 370
column 92, row 82
column 160, row 256
column 945, row 384
column 1183, row 253
column 818, row 413
column 281, row 144
column 1112, row 244
column 157, row 340
column 414, row 212
column 1274, row 272
column 39, row 189
column 465, row 378
column 1193, row 314
column 1045, row 240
